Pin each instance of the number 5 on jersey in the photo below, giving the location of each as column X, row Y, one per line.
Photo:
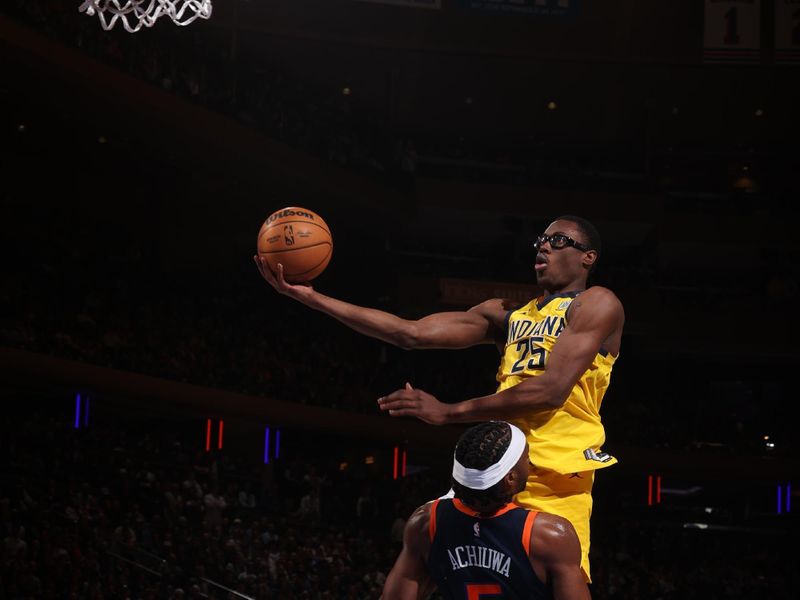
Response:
column 477, row 590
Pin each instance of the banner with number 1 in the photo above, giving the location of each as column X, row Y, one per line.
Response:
column 732, row 31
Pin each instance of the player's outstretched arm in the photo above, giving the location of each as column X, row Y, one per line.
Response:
column 595, row 321
column 555, row 553
column 409, row 578
column 458, row 329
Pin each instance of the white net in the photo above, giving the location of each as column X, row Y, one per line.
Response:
column 135, row 14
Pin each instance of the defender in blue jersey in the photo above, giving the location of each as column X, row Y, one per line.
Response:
column 477, row 545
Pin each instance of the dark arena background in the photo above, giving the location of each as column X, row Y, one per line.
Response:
column 173, row 428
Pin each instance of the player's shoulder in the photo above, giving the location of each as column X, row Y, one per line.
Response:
column 599, row 293
column 552, row 535
column 417, row 533
column 420, row 518
column 599, row 298
column 551, row 526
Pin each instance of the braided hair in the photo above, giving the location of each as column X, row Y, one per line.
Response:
column 480, row 447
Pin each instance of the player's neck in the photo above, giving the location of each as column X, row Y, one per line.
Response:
column 565, row 286
column 567, row 289
column 486, row 511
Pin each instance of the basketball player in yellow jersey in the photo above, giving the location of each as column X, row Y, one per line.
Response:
column 557, row 354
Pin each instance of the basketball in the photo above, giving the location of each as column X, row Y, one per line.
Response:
column 299, row 239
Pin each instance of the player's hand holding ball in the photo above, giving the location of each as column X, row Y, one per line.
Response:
column 294, row 246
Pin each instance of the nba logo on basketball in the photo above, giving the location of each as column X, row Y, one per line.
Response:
column 288, row 235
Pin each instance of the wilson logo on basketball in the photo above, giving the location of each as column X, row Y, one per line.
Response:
column 289, row 213
column 288, row 235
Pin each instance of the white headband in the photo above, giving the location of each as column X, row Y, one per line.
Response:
column 482, row 479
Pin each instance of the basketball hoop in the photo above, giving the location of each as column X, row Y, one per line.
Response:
column 136, row 14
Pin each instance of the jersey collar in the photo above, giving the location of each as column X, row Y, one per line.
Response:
column 468, row 511
column 543, row 301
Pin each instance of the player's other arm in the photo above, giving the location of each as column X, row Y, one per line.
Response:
column 458, row 329
column 555, row 553
column 409, row 578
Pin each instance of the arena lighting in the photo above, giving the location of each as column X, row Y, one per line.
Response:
column 399, row 463
column 81, row 402
column 650, row 490
column 785, row 506
column 266, row 444
column 552, row 105
column 208, row 435
column 369, row 460
column 219, row 439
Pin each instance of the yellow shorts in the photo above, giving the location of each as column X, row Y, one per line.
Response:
column 568, row 496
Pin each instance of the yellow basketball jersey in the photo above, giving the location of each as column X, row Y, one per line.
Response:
column 567, row 439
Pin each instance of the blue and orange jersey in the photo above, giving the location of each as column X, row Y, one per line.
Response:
column 473, row 556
